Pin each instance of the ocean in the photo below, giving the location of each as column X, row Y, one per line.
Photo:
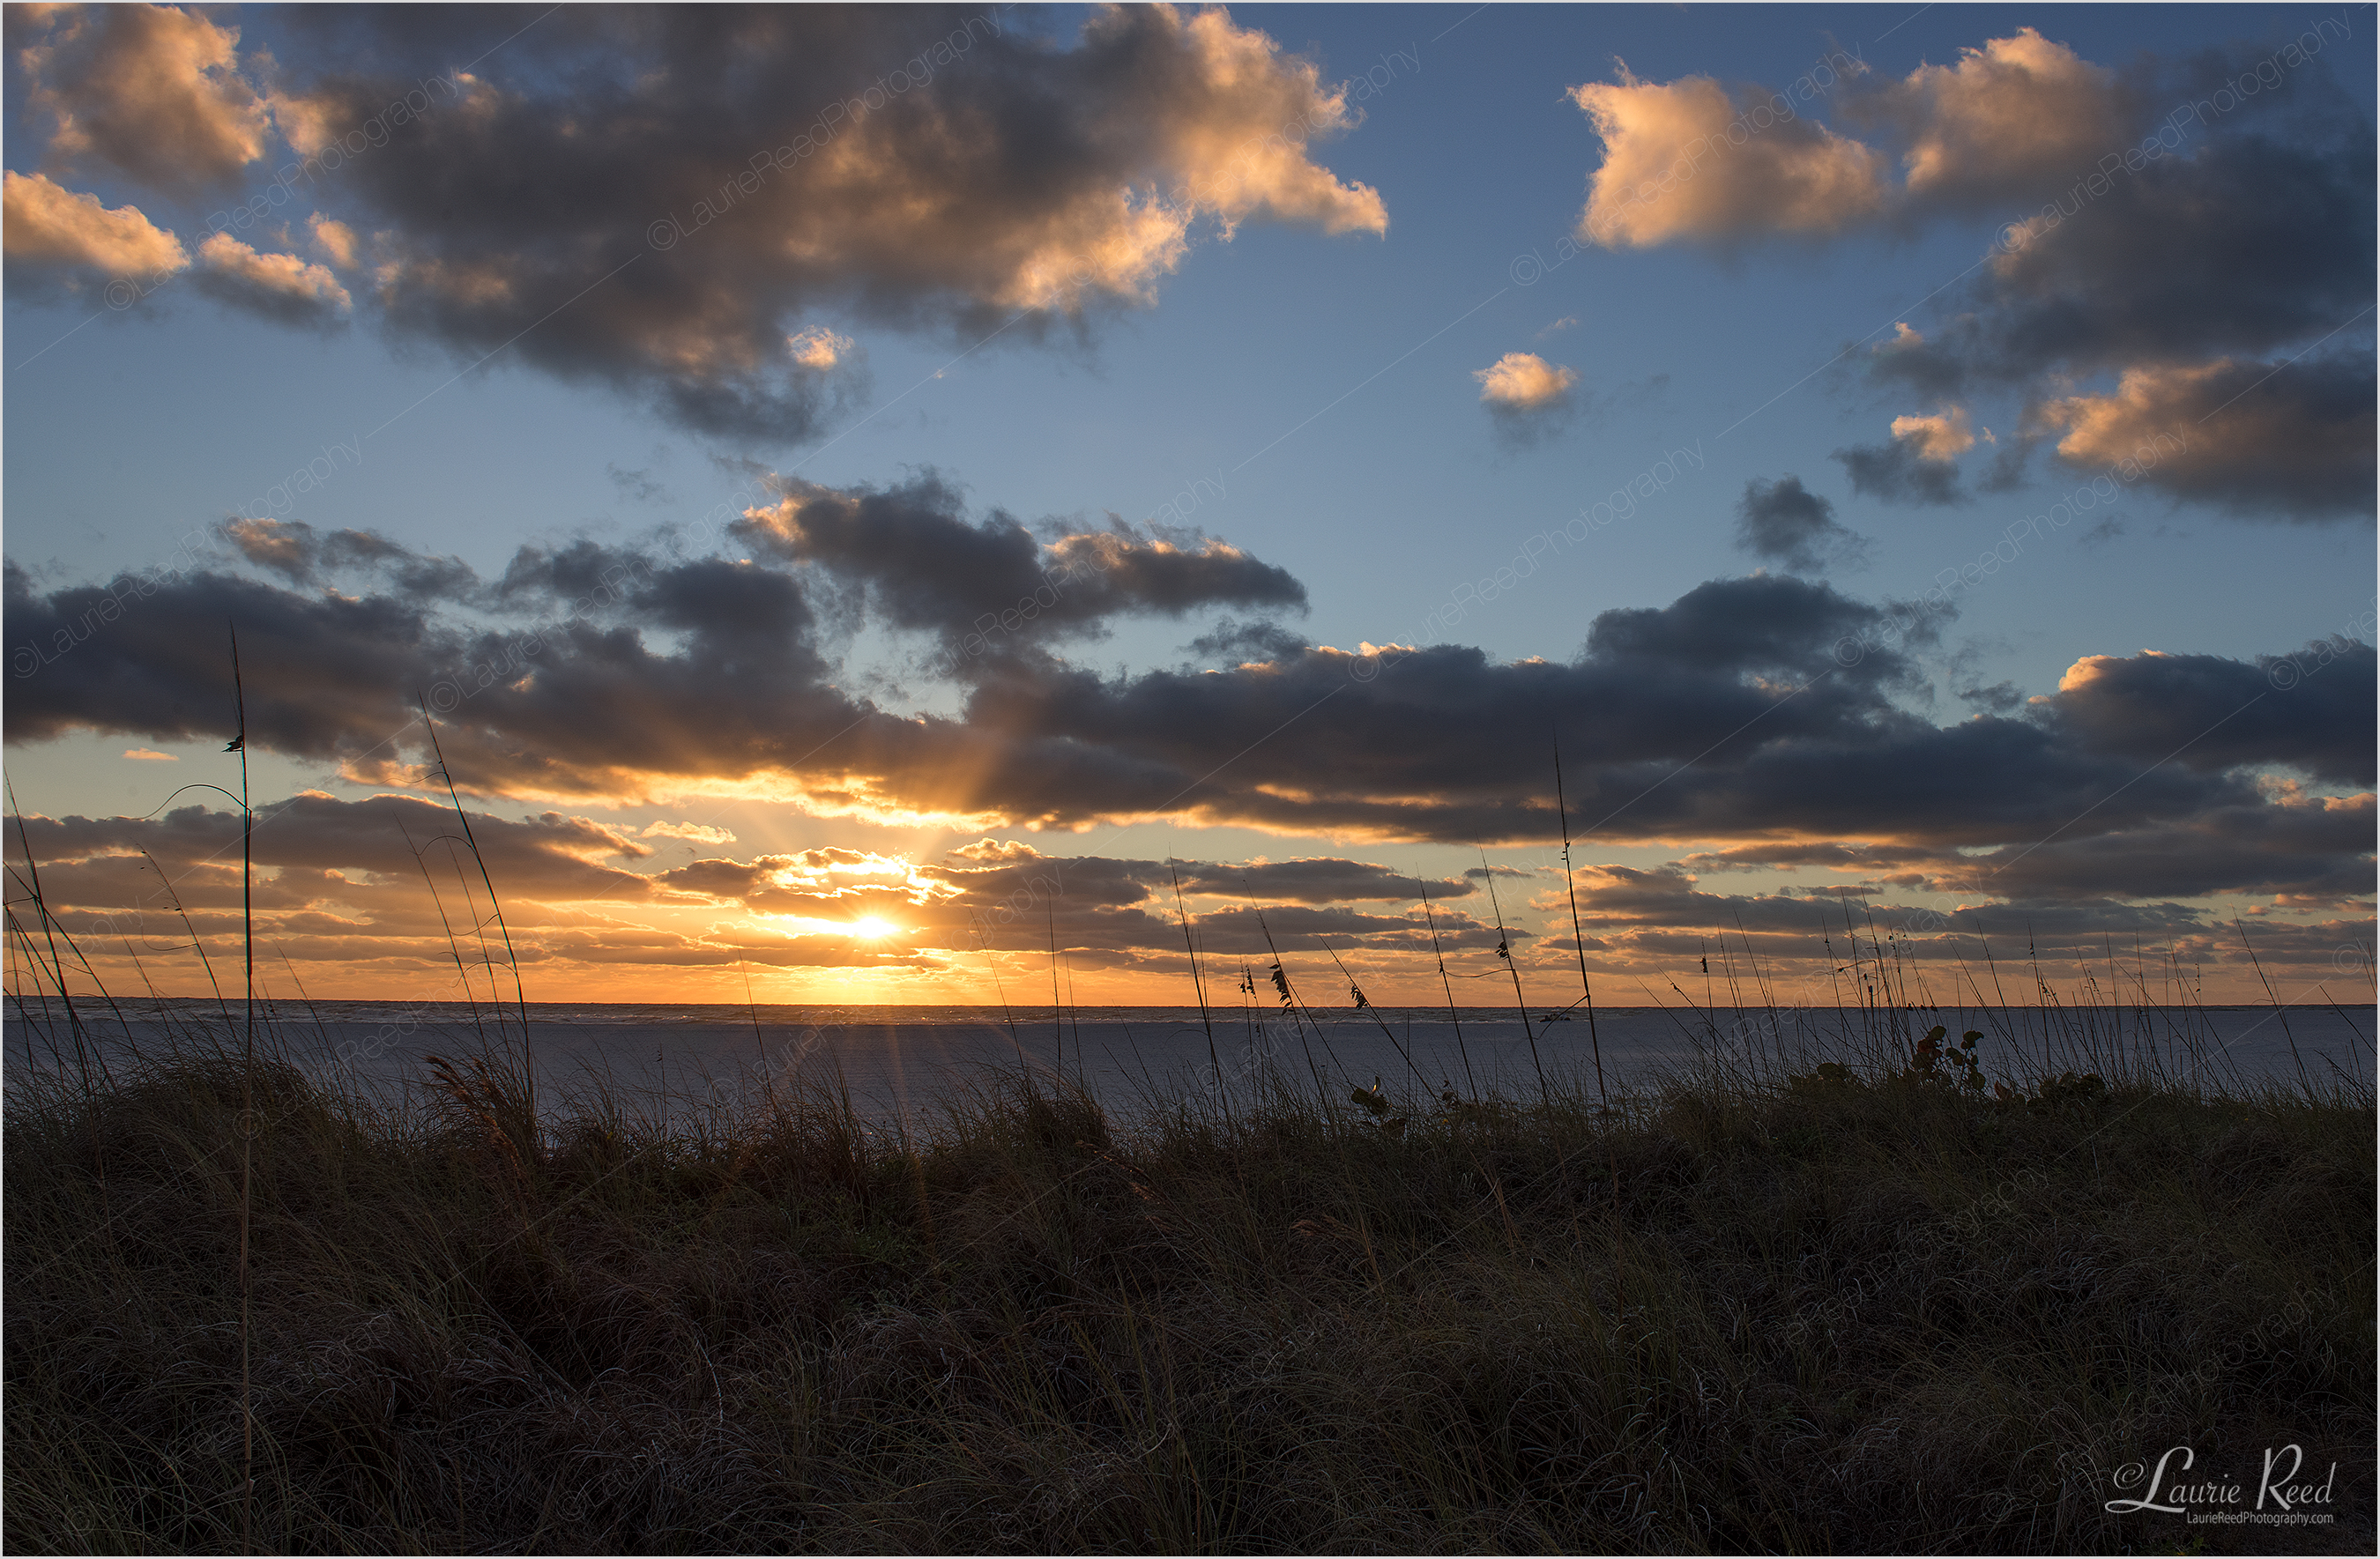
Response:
column 902, row 1064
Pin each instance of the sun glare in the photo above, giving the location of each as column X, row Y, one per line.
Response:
column 873, row 929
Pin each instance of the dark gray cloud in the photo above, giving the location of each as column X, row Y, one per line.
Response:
column 1784, row 523
column 2312, row 711
column 736, row 680
column 2315, row 849
column 153, row 654
column 639, row 485
column 2000, row 698
column 986, row 588
column 1233, row 640
column 2243, row 245
column 299, row 553
column 1323, row 880
column 1894, row 472
column 1666, row 896
column 1737, row 712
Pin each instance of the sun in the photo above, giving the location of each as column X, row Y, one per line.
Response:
column 873, row 929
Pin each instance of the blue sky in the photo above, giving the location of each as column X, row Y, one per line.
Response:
column 1313, row 395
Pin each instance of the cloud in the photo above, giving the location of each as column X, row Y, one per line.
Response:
column 280, row 286
column 1785, row 523
column 48, row 228
column 671, row 192
column 2208, row 712
column 2168, row 249
column 1006, row 895
column 154, row 93
column 1747, row 708
column 336, row 239
column 2245, row 244
column 1904, row 339
column 303, row 555
column 1735, row 713
column 1317, row 880
column 1918, row 465
column 1528, row 399
column 350, row 883
column 1233, row 640
column 150, row 754
column 2287, row 842
column 2317, row 847
column 2287, row 441
column 987, row 588
column 1693, row 160
column 1940, row 438
column 639, row 485
column 372, row 842
column 2001, row 698
column 698, row 833
column 2010, row 120
column 818, row 347
column 1522, row 381
column 1666, row 895
column 2238, row 223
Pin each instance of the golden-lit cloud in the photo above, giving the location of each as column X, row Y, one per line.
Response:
column 1222, row 131
column 1945, row 434
column 2288, row 440
column 818, row 347
column 1691, row 160
column 693, row 833
column 1524, row 382
column 2006, row 117
column 277, row 284
column 48, row 225
column 2018, row 119
column 153, row 91
column 336, row 239
column 2147, row 404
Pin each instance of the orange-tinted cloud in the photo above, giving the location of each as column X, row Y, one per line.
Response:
column 279, row 284
column 151, row 91
column 52, row 228
column 1693, row 160
column 1522, row 381
column 2017, row 115
column 2291, row 441
column 1945, row 435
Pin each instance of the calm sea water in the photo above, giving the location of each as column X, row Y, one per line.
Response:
column 902, row 1063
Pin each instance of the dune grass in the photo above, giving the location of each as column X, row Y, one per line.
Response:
column 1866, row 1309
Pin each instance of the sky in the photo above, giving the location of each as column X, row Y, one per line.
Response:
column 870, row 499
